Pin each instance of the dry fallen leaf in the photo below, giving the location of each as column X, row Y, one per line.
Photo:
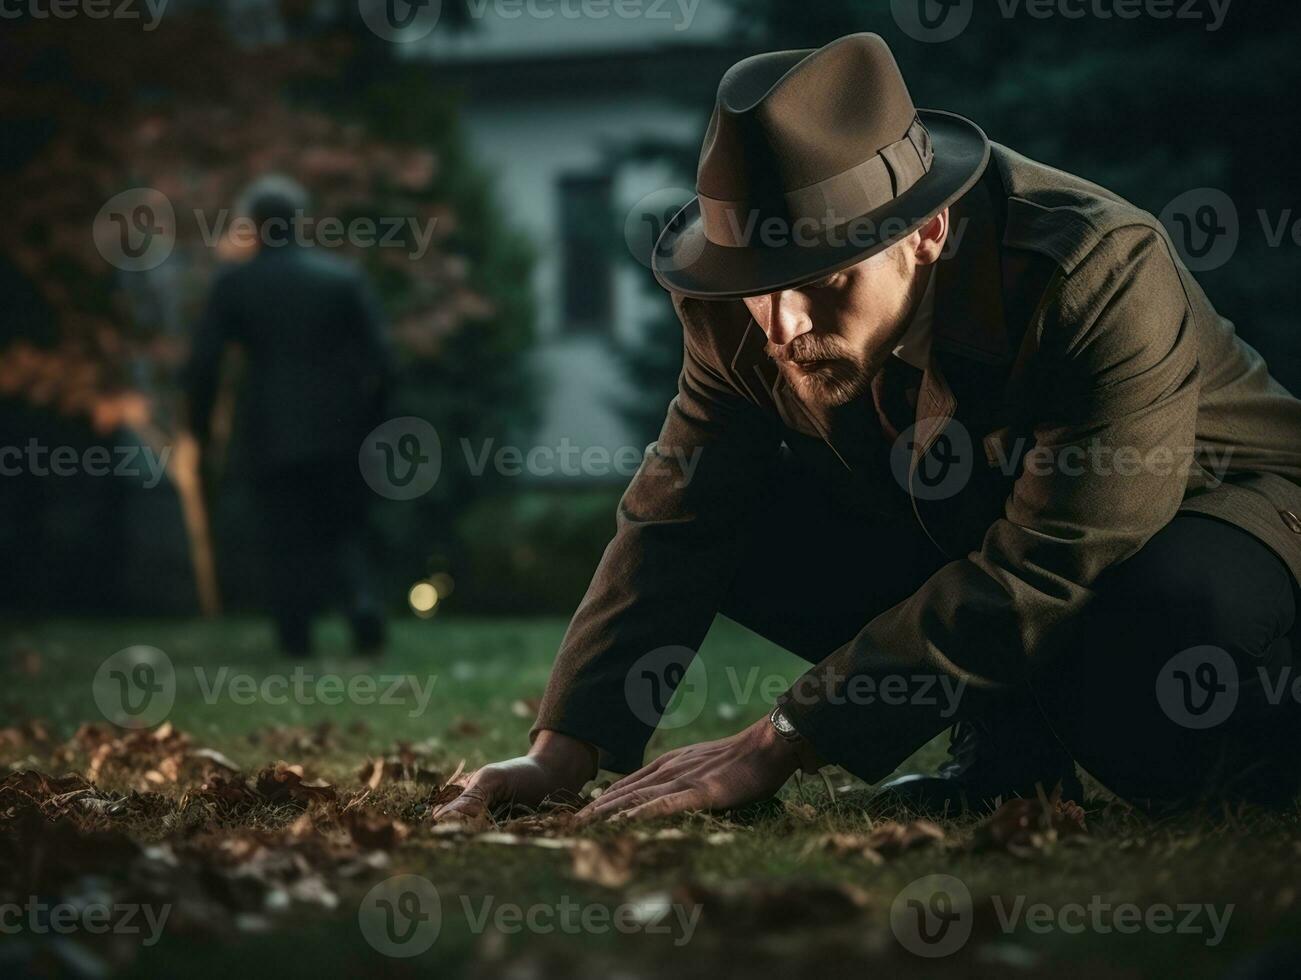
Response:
column 891, row 838
column 1024, row 827
column 283, row 783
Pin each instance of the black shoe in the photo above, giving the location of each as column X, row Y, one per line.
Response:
column 994, row 757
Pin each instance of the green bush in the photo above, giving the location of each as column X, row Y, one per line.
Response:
column 533, row 551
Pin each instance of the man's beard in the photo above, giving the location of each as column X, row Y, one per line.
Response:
column 822, row 370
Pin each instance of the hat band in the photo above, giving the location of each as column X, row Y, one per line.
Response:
column 829, row 203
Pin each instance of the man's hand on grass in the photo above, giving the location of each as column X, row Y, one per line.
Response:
column 745, row 768
column 556, row 764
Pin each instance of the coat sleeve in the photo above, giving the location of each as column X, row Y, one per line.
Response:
column 1117, row 374
column 666, row 571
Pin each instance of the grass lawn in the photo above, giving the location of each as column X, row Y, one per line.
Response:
column 784, row 888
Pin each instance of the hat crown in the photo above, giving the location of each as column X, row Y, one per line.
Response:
column 790, row 119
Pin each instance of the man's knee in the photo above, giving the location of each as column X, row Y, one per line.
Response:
column 1197, row 582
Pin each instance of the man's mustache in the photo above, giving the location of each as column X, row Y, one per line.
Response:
column 804, row 348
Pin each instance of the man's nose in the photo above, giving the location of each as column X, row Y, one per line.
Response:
column 788, row 317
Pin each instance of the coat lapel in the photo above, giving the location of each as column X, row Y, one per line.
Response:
column 969, row 347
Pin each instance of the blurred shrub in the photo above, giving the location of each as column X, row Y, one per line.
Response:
column 533, row 551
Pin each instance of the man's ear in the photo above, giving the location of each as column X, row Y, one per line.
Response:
column 933, row 236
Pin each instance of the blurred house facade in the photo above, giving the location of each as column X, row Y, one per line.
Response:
column 551, row 105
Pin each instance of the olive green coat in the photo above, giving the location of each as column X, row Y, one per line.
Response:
column 1064, row 321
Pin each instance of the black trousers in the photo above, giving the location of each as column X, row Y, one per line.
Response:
column 314, row 529
column 1179, row 683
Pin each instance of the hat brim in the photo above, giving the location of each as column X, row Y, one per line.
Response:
column 686, row 262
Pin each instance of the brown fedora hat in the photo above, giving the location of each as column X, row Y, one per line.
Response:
column 814, row 160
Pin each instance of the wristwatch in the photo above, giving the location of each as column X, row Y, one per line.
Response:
column 808, row 758
column 783, row 725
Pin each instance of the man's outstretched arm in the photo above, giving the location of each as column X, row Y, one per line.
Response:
column 657, row 588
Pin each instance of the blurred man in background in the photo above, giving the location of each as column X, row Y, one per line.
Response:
column 315, row 378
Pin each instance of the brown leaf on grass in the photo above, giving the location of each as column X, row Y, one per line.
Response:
column 283, row 783
column 848, row 845
column 886, row 840
column 49, row 836
column 226, row 792
column 1023, row 827
column 374, row 831
column 607, row 862
column 152, row 756
column 891, row 838
column 448, row 791
column 27, row 788
column 371, row 773
column 403, row 764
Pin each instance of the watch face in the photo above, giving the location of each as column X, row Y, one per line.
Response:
column 782, row 723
